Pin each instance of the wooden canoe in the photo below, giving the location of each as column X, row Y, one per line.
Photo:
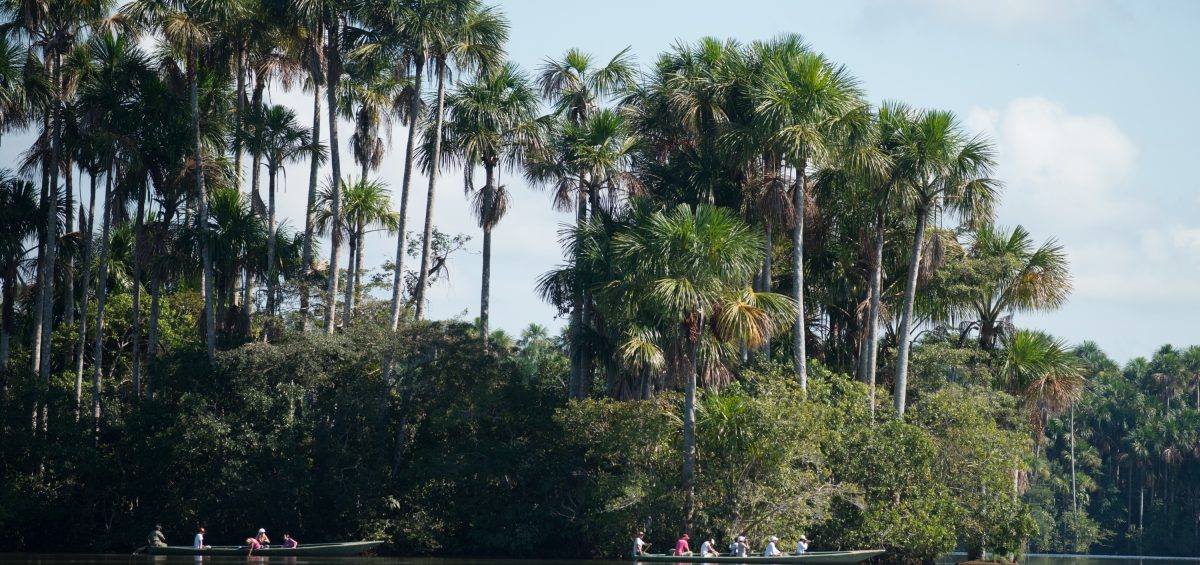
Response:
column 824, row 557
column 311, row 550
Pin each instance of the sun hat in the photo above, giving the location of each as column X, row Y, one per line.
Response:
column 262, row 530
column 741, row 538
column 773, row 538
column 802, row 538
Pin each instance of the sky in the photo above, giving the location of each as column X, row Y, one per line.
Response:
column 1090, row 103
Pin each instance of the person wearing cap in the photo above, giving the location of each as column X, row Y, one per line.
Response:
column 262, row 537
column 739, row 548
column 289, row 541
column 802, row 545
column 198, row 541
column 709, row 548
column 639, row 546
column 771, row 550
column 681, row 546
column 156, row 538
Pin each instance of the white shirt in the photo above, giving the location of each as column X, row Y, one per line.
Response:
column 638, row 546
column 771, row 550
column 738, row 549
column 801, row 546
column 199, row 541
column 706, row 549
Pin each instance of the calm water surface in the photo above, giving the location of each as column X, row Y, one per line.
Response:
column 109, row 559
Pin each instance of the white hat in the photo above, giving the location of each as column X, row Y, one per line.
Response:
column 773, row 538
column 262, row 530
column 802, row 538
column 741, row 538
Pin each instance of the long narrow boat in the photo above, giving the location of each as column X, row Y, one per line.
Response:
column 823, row 557
column 310, row 550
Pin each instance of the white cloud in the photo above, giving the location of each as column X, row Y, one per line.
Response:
column 1001, row 14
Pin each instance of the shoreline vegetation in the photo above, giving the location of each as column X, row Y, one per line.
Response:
column 790, row 311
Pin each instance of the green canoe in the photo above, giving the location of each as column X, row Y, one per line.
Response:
column 310, row 550
column 837, row 557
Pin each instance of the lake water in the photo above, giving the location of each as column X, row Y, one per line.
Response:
column 111, row 559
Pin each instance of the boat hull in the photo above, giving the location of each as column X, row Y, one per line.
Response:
column 814, row 557
column 310, row 550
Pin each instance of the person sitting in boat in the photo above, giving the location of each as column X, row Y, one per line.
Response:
column 262, row 537
column 289, row 541
column 771, row 550
column 198, row 541
column 709, row 548
column 253, row 544
column 639, row 546
column 802, row 545
column 681, row 546
column 156, row 538
column 739, row 548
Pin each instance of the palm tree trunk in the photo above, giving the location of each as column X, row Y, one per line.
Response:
column 36, row 349
column 46, row 302
column 876, row 285
column 358, row 265
column 348, row 299
column 310, row 208
column 238, row 112
column 489, row 194
column 910, row 295
column 427, row 238
column 101, row 296
column 798, row 345
column 152, row 337
column 335, row 161
column 83, row 296
column 768, row 246
column 69, row 280
column 272, row 272
column 398, row 275
column 136, row 342
column 8, row 314
column 206, row 282
column 575, row 385
column 692, row 327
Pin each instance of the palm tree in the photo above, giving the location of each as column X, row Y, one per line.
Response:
column 18, row 223
column 187, row 25
column 805, row 103
column 944, row 169
column 284, row 141
column 1044, row 372
column 366, row 206
column 575, row 86
column 492, row 122
column 367, row 94
column 472, row 40
column 688, row 269
column 1015, row 276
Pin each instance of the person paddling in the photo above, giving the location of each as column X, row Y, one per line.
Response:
column 198, row 541
column 709, row 548
column 289, row 541
column 639, row 546
column 681, row 546
column 771, row 550
column 156, row 538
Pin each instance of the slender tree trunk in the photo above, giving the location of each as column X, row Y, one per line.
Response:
column 798, row 341
column 910, row 295
column 136, row 338
column 7, row 318
column 101, row 296
column 46, row 302
column 359, row 251
column 36, row 349
column 272, row 269
column 427, row 238
column 206, row 273
column 489, row 195
column 398, row 275
column 693, row 329
column 69, row 304
column 1074, row 493
column 876, row 285
column 238, row 111
column 575, row 385
column 335, row 161
column 310, row 208
column 348, row 299
column 152, row 337
column 769, row 246
column 83, row 298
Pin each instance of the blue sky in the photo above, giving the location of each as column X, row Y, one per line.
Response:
column 1091, row 103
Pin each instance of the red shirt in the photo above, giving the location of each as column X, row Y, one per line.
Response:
column 681, row 547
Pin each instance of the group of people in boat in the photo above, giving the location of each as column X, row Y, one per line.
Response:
column 739, row 547
column 258, row 541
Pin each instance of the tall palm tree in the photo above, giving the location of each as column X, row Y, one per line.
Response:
column 18, row 224
column 805, row 103
column 472, row 40
column 1044, row 372
column 576, row 86
column 944, row 170
column 689, row 270
column 188, row 25
column 366, row 206
column 493, row 123
column 284, row 141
